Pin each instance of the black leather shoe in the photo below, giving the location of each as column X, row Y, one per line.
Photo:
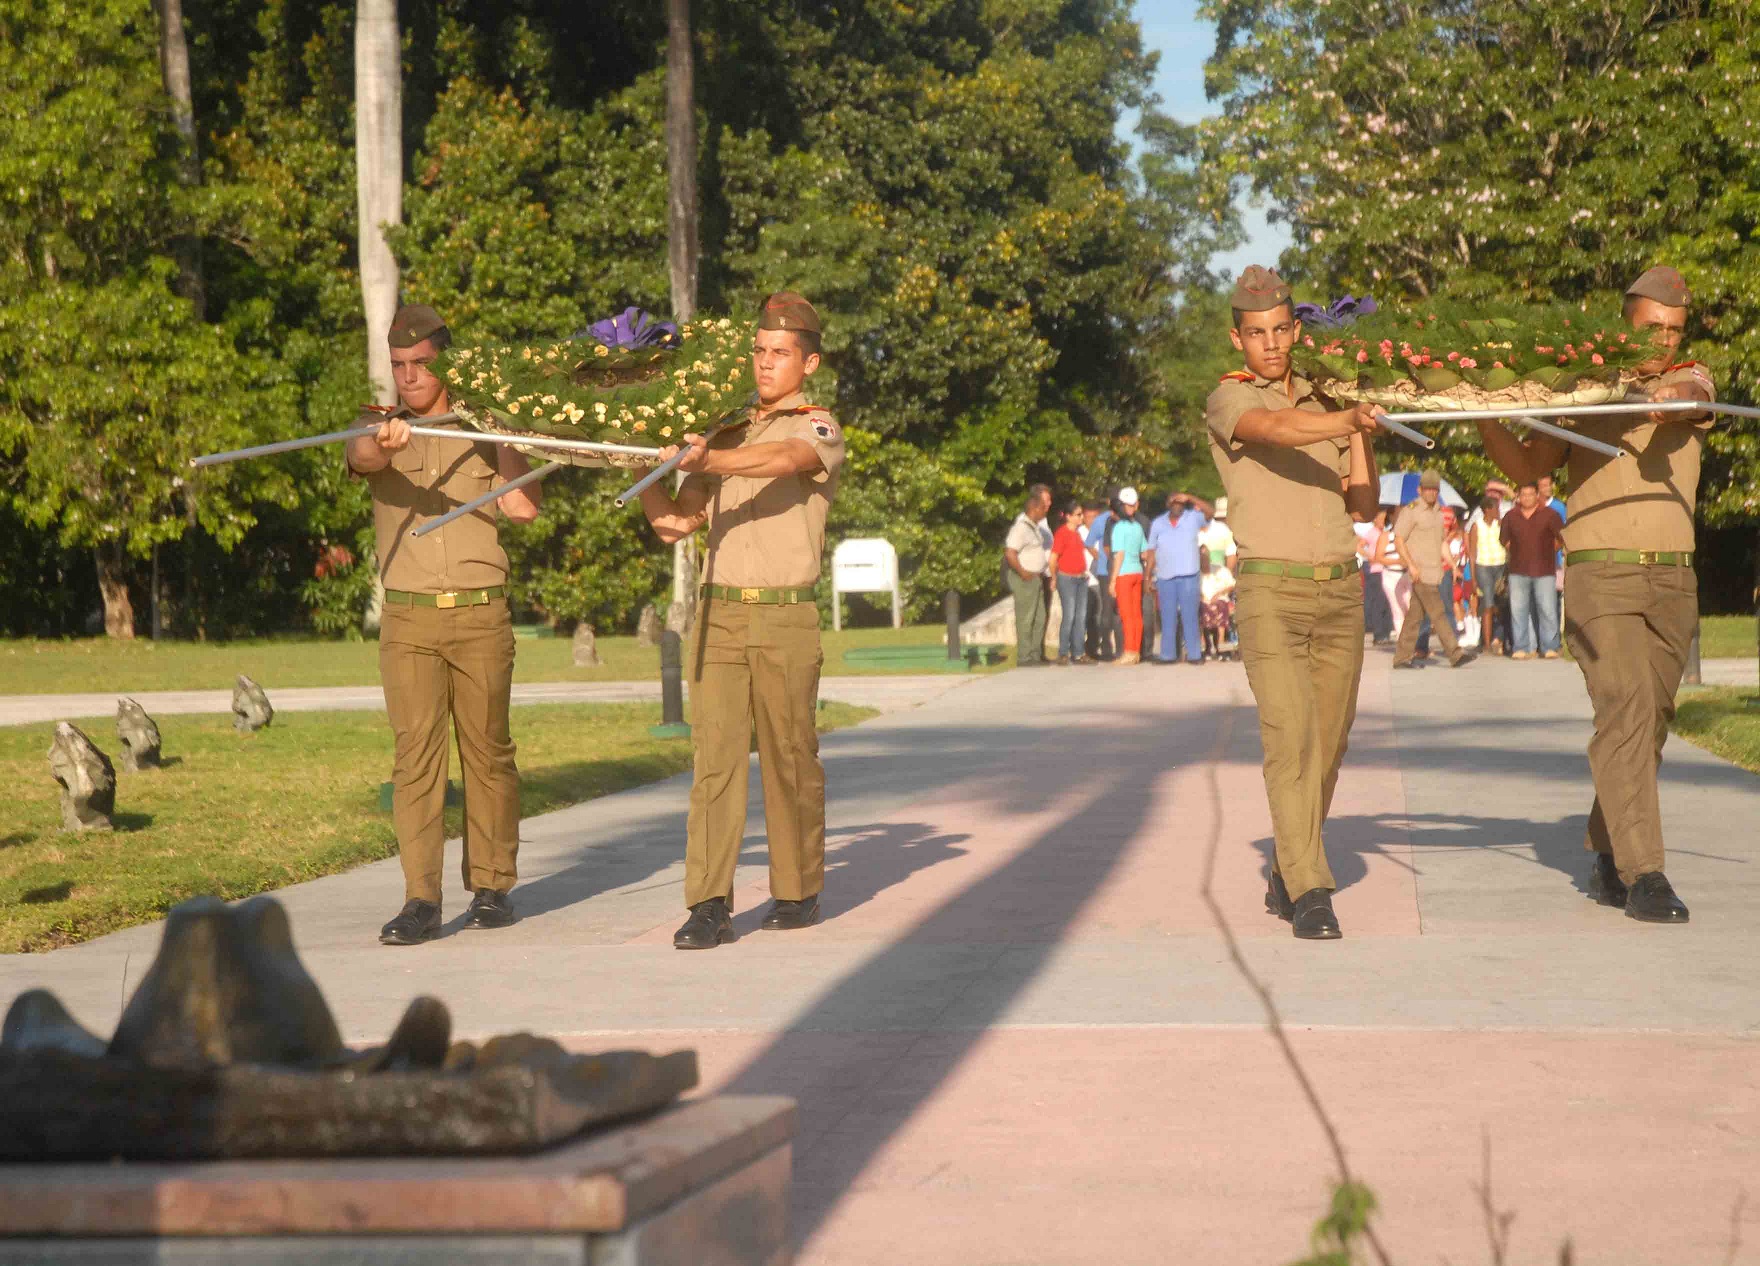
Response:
column 786, row 916
column 1651, row 898
column 1463, row 659
column 415, row 923
column 1313, row 919
column 490, row 909
column 1277, row 899
column 710, row 924
column 1605, row 885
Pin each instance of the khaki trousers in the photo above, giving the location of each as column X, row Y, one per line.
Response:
column 1302, row 644
column 1029, row 617
column 451, row 665
column 1629, row 628
column 1426, row 601
column 756, row 662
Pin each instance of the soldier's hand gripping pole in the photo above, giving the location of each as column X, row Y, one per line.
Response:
column 666, row 467
column 305, row 441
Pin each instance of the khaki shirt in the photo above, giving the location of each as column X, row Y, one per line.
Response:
column 1283, row 503
column 1645, row 501
column 423, row 482
column 770, row 533
column 1419, row 528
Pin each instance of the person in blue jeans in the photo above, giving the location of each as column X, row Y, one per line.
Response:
column 1173, row 550
column 1531, row 534
column 1071, row 557
column 1103, row 633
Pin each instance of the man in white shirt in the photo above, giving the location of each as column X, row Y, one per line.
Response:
column 1217, row 540
column 1027, row 556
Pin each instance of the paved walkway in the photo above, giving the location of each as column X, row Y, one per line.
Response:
column 888, row 694
column 1018, row 1037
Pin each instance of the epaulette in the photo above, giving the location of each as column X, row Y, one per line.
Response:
column 1238, row 375
column 1685, row 364
column 386, row 409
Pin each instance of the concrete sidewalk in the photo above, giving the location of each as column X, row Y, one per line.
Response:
column 887, row 694
column 1018, row 1037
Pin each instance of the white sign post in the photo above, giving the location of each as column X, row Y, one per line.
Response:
column 863, row 565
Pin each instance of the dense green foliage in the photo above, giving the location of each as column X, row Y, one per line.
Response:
column 1510, row 149
column 945, row 180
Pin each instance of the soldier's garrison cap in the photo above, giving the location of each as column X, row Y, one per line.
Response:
column 785, row 310
column 413, row 323
column 1431, row 478
column 1258, row 290
column 1662, row 284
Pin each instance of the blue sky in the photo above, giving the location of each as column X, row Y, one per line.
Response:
column 1173, row 29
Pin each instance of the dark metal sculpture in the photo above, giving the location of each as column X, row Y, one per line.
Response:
column 250, row 706
column 228, row 1050
column 87, row 778
column 139, row 736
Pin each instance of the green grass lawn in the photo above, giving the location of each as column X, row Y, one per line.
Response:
column 1721, row 720
column 238, row 814
column 1727, row 637
column 30, row 666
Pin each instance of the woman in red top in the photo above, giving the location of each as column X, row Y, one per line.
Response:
column 1072, row 585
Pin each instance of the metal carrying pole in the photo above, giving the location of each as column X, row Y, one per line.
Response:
column 289, row 446
column 1570, row 437
column 666, row 467
column 494, row 494
column 432, row 432
column 1553, row 411
column 1416, row 437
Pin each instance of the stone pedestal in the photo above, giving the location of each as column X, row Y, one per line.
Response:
column 704, row 1182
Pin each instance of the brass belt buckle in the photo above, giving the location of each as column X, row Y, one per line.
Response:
column 749, row 595
column 1647, row 558
column 446, row 601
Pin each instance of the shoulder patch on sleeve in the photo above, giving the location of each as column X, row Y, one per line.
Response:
column 825, row 426
column 1237, row 375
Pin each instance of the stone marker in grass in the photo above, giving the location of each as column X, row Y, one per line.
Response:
column 139, row 736
column 87, row 778
column 251, row 710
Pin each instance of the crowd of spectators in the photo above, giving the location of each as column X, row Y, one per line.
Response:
column 1129, row 589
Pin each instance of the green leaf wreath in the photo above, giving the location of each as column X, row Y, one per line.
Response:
column 625, row 380
column 1445, row 355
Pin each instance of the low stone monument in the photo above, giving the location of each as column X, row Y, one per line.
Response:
column 87, row 778
column 251, row 710
column 648, row 626
column 586, row 646
column 228, row 1061
column 139, row 736
column 227, row 1049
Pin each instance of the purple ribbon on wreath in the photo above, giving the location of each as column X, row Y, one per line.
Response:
column 632, row 328
column 1340, row 314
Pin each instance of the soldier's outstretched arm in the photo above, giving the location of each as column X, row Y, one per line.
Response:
column 1525, row 459
column 675, row 518
column 1295, row 428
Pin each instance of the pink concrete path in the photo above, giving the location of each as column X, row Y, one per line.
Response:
column 1018, row 1038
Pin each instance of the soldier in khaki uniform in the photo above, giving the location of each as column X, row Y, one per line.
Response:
column 763, row 484
column 1634, row 598
column 446, row 638
column 1419, row 536
column 1297, row 471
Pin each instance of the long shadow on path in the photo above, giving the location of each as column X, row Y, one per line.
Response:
column 928, row 1015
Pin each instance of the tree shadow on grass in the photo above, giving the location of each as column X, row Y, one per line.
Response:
column 47, row 894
